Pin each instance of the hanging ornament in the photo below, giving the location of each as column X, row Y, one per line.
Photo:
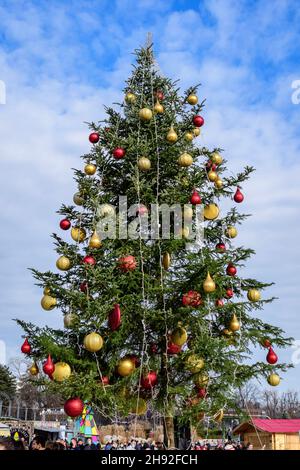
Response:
column 173, row 348
column 192, row 299
column 48, row 302
column 194, row 363
column 211, row 211
column 172, row 136
column 105, row 380
column 63, row 263
column 127, row 263
column 62, row 371
column 93, row 342
column 89, row 260
column 179, row 336
column 65, row 224
column 119, row 153
column 95, row 241
column 266, row 343
column 231, row 270
column 231, row 232
column 141, row 210
column 216, row 158
column 219, row 183
column 201, row 380
column 107, row 210
column 78, row 199
column 196, row 131
column 274, row 380
column 130, row 98
column 221, row 247
column 145, row 114
column 253, row 295
column 185, row 160
column 272, row 357
column 47, row 291
column 202, row 392
column 187, row 213
column 26, row 348
column 138, row 406
column 188, row 136
column 198, row 121
column 74, row 407
column 33, row 369
column 94, row 137
column 159, row 95
column 184, row 233
column 218, row 416
column 238, row 197
column 192, row 99
column 48, row 366
column 234, row 323
column 125, row 367
column 114, row 318
column 209, row 284
column 210, row 166
column 84, row 287
column 212, row 175
column 70, row 319
column 149, row 380
column 158, row 108
column 90, row 169
column 166, row 260
column 229, row 293
column 144, row 164
column 195, row 198
column 219, row 303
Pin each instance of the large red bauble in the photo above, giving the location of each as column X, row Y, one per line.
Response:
column 173, row 348
column 229, row 293
column 192, row 298
column 149, row 380
column 198, row 121
column 221, row 247
column 219, row 303
column 105, row 380
column 114, row 318
column 127, row 263
column 89, row 260
column 134, row 359
column 26, row 348
column 195, row 198
column 238, row 197
column 201, row 392
column 83, row 287
column 94, row 137
column 119, row 153
column 73, row 407
column 211, row 166
column 272, row 357
column 159, row 95
column 231, row 270
column 65, row 224
column 48, row 366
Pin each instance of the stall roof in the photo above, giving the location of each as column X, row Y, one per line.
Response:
column 282, row 426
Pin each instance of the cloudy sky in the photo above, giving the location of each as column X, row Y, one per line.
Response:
column 62, row 61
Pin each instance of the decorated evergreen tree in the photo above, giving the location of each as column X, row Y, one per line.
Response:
column 148, row 323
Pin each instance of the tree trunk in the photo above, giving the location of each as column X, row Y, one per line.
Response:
column 169, row 438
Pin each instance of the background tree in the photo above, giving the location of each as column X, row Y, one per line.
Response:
column 7, row 383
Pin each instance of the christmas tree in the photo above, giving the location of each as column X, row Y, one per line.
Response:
column 152, row 322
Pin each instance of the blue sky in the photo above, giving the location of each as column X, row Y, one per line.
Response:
column 62, row 61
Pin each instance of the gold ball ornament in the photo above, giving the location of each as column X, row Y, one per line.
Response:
column 145, row 114
column 253, row 295
column 172, row 136
column 61, row 372
column 188, row 136
column 95, row 241
column 188, row 213
column 216, row 158
column 125, row 367
column 197, row 131
column 78, row 234
column 219, row 183
column 273, row 380
column 184, row 232
column 166, row 260
column 90, row 169
column 63, row 263
column 211, row 211
column 33, row 369
column 194, row 363
column 201, row 380
column 106, row 210
column 93, row 342
column 234, row 324
column 48, row 302
column 70, row 319
column 192, row 99
column 179, row 336
column 158, row 108
column 130, row 98
column 185, row 160
column 144, row 164
column 231, row 232
column 209, row 284
column 139, row 406
column 78, row 199
column 212, row 176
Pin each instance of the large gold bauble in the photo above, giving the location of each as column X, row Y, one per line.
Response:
column 234, row 324
column 188, row 136
column 216, row 158
column 93, row 342
column 144, row 164
column 209, row 284
column 179, row 336
column 212, row 175
column 130, row 98
column 63, row 263
column 231, row 232
column 139, row 406
column 192, row 99
column 78, row 234
column 185, row 159
column 48, row 302
column 95, row 241
column 61, row 372
column 78, row 199
column 106, row 210
column 273, row 380
column 145, row 114
column 188, row 213
column 166, row 260
column 211, row 211
column 90, row 169
column 197, row 131
column 33, row 369
column 172, row 136
column 125, row 367
column 70, row 319
column 184, row 232
column 218, row 416
column 253, row 295
column 158, row 108
column 201, row 379
column 219, row 183
column 194, row 363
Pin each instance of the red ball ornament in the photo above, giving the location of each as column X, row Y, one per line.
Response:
column 48, row 366
column 114, row 318
column 94, row 137
column 201, row 392
column 195, row 198
column 83, row 287
column 238, row 197
column 73, row 407
column 211, row 166
column 231, row 270
column 26, row 348
column 127, row 263
column 173, row 348
column 149, row 380
column 221, row 247
column 119, row 153
column 229, row 293
column 272, row 357
column 159, row 95
column 219, row 303
column 141, row 210
column 105, row 380
column 65, row 224
column 89, row 260
column 192, row 298
column 198, row 121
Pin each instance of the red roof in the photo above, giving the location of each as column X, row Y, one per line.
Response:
column 277, row 425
